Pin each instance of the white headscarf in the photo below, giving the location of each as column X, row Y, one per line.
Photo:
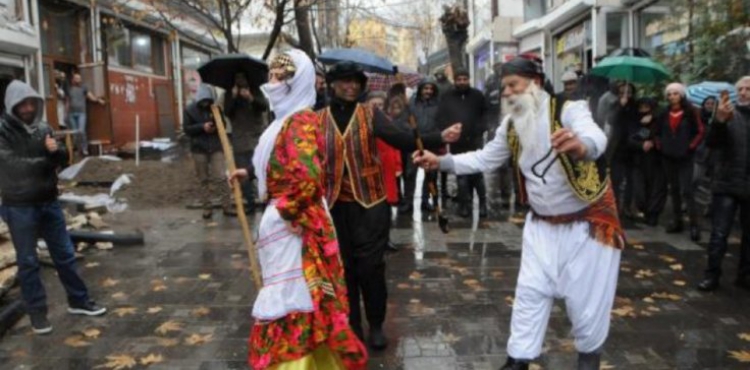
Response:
column 285, row 99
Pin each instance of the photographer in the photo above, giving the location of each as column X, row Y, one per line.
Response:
column 206, row 150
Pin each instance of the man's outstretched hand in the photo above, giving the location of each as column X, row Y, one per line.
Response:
column 427, row 160
column 565, row 141
column 452, row 133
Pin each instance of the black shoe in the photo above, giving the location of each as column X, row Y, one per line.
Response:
column 377, row 338
column 695, row 234
column 406, row 209
column 482, row 210
column 513, row 364
column 743, row 282
column 208, row 214
column 89, row 309
column 391, row 247
column 589, row 361
column 427, row 207
column 708, row 284
column 505, row 203
column 675, row 228
column 39, row 323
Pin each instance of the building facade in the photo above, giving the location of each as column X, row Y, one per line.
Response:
column 19, row 44
column 491, row 38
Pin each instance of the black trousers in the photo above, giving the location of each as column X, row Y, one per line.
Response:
column 363, row 238
column 466, row 186
column 622, row 183
column 725, row 209
column 649, row 184
column 679, row 175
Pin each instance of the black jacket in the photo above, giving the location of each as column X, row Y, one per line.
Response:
column 681, row 143
column 731, row 144
column 468, row 107
column 624, row 123
column 193, row 120
column 28, row 171
column 425, row 111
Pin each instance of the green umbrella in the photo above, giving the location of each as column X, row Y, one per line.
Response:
column 631, row 69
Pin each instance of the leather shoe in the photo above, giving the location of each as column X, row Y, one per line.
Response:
column 589, row 361
column 513, row 364
column 405, row 209
column 483, row 210
column 708, row 284
column 377, row 339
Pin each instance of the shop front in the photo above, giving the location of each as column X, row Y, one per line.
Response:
column 573, row 51
column 482, row 65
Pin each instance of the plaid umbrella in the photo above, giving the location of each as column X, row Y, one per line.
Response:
column 383, row 82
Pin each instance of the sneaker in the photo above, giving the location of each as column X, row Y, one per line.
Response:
column 89, row 309
column 40, row 324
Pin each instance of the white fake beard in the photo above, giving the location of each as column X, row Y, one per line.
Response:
column 523, row 109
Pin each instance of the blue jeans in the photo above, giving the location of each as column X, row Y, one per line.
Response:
column 78, row 122
column 27, row 225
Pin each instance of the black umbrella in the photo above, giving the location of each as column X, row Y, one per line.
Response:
column 370, row 62
column 221, row 70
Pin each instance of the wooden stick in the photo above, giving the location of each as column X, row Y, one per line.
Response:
column 229, row 157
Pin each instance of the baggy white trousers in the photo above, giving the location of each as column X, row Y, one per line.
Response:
column 562, row 261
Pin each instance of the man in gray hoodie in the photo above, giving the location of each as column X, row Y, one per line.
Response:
column 29, row 159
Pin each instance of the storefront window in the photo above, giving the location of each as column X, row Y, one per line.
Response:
column 658, row 33
column 572, row 51
column 135, row 49
column 618, row 31
column 59, row 32
column 142, row 52
column 118, row 46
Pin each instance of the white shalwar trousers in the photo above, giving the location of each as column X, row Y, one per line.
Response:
column 562, row 261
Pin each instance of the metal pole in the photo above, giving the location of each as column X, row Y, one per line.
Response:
column 137, row 140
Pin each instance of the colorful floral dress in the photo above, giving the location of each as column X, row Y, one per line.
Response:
column 314, row 330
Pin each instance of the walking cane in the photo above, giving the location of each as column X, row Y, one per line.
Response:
column 229, row 157
column 442, row 219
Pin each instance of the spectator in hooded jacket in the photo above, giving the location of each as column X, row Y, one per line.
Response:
column 466, row 105
column 679, row 132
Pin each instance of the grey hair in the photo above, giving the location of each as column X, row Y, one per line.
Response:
column 742, row 80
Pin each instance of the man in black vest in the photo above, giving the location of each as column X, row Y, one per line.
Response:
column 729, row 136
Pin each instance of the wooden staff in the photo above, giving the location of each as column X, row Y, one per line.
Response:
column 442, row 219
column 229, row 157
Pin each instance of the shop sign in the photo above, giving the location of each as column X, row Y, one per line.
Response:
column 571, row 39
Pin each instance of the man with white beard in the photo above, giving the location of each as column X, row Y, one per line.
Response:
column 572, row 238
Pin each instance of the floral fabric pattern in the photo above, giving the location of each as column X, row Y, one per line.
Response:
column 295, row 181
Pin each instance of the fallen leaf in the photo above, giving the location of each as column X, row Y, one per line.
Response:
column 676, row 267
column 91, row 333
column 103, row 246
column 567, row 346
column 653, row 309
column 638, row 247
column 497, row 274
column 509, row 300
column 119, row 295
column 741, row 356
column 450, row 338
column 167, row 342
column 92, row 265
column 151, row 359
column 664, row 295
column 623, row 301
column 626, row 269
column 605, row 366
column 744, row 336
column 236, row 256
column 679, row 282
column 533, row 366
column 640, row 274
column 403, row 286
column 646, row 313
column 415, row 276
column 204, row 276
column 624, row 311
column 124, row 311
column 153, row 310
column 649, row 300
column 76, row 341
column 667, row 259
column 201, row 311
column 159, row 288
column 168, row 326
column 181, row 280
column 471, row 282
column 212, row 224
column 109, row 282
column 197, row 339
column 414, row 300
column 118, row 362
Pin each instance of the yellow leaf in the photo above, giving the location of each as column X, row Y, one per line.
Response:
column 497, row 274
column 450, row 338
column 159, row 288
column 76, row 341
column 744, row 336
column 605, row 366
column 92, row 265
column 638, row 247
column 119, row 295
column 151, row 359
column 118, row 362
column 153, row 310
column 182, row 280
column 509, row 300
column 646, row 313
column 653, row 308
column 626, row 269
column 201, row 311
column 741, row 356
column 415, row 276
column 664, row 295
column 644, row 273
column 667, row 259
column 91, row 333
column 236, row 256
column 197, row 339
column 167, row 342
column 471, row 282
column 109, row 282
column 676, row 267
column 403, row 286
column 624, row 311
column 204, row 276
column 648, row 300
column 124, row 311
column 168, row 327
column 679, row 282
column 535, row 367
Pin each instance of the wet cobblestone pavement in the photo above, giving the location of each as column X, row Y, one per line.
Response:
column 183, row 302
